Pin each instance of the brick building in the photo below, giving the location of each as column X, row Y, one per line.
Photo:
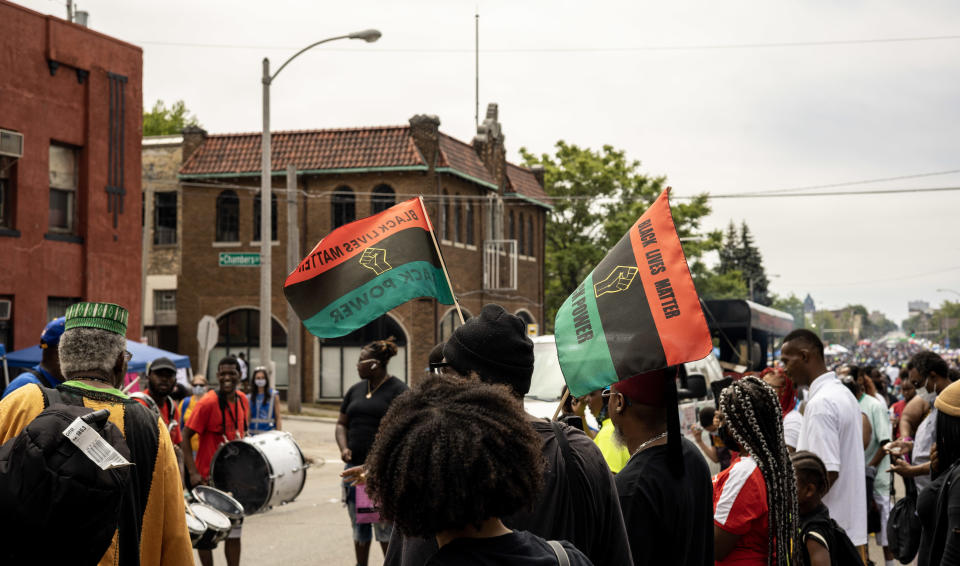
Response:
column 489, row 216
column 70, row 124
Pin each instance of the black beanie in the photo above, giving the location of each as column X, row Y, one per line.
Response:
column 496, row 346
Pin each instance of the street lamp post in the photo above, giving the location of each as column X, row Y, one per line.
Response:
column 949, row 291
column 266, row 211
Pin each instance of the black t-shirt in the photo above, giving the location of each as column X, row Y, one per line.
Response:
column 669, row 520
column 364, row 415
column 518, row 548
column 579, row 504
column 816, row 525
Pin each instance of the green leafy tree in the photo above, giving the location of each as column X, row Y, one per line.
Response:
column 161, row 120
column 946, row 321
column 792, row 305
column 752, row 267
column 599, row 195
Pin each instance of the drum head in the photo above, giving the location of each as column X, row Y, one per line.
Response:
column 239, row 468
column 195, row 525
column 213, row 518
column 219, row 500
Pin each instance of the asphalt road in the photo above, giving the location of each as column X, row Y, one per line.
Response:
column 315, row 528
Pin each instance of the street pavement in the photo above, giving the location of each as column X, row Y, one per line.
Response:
column 315, row 528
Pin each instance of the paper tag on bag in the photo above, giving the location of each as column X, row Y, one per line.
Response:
column 94, row 446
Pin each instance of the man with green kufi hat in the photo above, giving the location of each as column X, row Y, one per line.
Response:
column 151, row 527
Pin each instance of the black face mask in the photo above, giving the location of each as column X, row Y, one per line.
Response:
column 728, row 440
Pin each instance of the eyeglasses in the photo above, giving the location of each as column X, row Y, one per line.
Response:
column 437, row 367
column 127, row 356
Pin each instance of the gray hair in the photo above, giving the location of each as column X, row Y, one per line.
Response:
column 90, row 349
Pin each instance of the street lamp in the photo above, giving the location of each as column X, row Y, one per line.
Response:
column 266, row 211
column 949, row 291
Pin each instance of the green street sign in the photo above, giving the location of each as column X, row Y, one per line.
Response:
column 240, row 259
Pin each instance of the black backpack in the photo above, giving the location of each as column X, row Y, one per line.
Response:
column 903, row 527
column 842, row 550
column 46, row 483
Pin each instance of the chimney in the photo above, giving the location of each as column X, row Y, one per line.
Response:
column 193, row 138
column 488, row 144
column 538, row 172
column 425, row 131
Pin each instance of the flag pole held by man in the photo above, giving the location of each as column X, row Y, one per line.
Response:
column 363, row 269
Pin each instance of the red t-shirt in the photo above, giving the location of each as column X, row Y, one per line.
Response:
column 169, row 410
column 740, row 507
column 209, row 421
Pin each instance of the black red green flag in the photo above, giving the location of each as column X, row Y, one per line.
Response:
column 363, row 269
column 637, row 311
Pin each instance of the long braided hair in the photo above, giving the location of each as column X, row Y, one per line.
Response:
column 752, row 415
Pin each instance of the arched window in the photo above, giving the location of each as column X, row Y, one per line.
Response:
column 451, row 322
column 343, row 207
column 240, row 333
column 338, row 356
column 444, row 216
column 469, row 212
column 273, row 217
column 521, row 249
column 228, row 217
column 530, row 235
column 383, row 198
column 457, row 222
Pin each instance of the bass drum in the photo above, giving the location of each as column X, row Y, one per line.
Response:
column 260, row 471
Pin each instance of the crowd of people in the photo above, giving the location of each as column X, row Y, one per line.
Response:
column 454, row 471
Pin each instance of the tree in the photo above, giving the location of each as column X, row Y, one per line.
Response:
column 598, row 196
column 161, row 120
column 752, row 267
column 792, row 305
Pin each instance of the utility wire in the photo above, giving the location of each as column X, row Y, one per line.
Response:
column 850, row 183
column 693, row 47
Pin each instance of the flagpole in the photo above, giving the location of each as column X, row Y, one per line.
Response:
column 443, row 266
column 563, row 401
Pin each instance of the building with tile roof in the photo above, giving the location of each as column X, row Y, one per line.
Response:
column 489, row 217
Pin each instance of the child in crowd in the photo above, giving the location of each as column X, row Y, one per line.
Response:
column 822, row 540
column 716, row 451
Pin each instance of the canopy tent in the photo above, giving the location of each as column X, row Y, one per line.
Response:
column 142, row 355
column 835, row 350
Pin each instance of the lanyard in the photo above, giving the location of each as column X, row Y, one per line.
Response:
column 235, row 417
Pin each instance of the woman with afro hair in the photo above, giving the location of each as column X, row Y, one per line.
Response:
column 452, row 458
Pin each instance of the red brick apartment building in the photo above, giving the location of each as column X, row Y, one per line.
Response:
column 70, row 129
column 489, row 216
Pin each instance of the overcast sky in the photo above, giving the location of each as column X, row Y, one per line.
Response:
column 695, row 91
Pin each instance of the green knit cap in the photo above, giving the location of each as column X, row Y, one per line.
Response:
column 105, row 316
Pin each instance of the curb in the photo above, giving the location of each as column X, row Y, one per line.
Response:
column 310, row 418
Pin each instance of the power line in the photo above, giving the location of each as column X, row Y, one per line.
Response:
column 832, row 193
column 692, row 47
column 850, row 183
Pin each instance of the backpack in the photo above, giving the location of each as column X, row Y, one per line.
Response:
column 842, row 550
column 903, row 529
column 48, row 482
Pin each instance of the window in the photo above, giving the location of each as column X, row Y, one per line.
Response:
column 57, row 306
column 469, row 212
column 512, row 232
column 228, row 217
column 6, row 321
column 451, row 322
column 240, row 333
column 165, row 218
column 530, row 235
column 457, row 223
column 7, row 177
column 273, row 217
column 520, row 247
column 383, row 198
column 343, row 207
column 164, row 301
column 64, row 177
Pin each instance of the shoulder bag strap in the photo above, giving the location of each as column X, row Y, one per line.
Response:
column 561, row 553
column 563, row 443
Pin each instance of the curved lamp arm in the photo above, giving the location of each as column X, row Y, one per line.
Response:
column 368, row 35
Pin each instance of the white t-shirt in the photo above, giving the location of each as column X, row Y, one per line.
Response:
column 881, row 398
column 791, row 428
column 833, row 430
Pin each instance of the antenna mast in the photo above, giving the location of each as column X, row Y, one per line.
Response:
column 476, row 67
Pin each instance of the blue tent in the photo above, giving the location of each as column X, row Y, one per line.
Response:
column 142, row 354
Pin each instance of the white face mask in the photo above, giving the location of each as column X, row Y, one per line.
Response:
column 926, row 394
column 260, row 382
column 199, row 389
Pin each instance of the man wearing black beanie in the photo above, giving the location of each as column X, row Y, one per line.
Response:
column 579, row 502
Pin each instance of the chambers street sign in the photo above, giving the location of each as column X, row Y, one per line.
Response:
column 232, row 259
